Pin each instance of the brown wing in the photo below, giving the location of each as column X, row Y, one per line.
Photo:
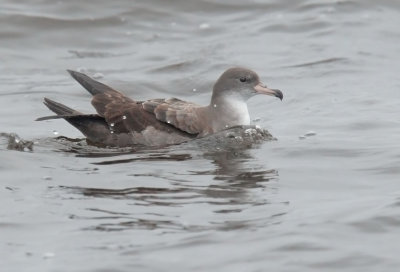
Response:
column 110, row 99
column 125, row 115
column 183, row 115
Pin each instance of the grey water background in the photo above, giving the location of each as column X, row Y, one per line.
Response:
column 324, row 197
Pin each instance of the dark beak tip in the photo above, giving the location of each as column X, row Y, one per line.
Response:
column 279, row 94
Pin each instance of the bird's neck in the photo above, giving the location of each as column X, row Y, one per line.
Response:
column 227, row 111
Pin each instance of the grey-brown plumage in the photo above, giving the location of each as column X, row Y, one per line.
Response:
column 121, row 121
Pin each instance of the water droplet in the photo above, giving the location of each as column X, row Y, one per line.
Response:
column 16, row 140
column 82, row 69
column 230, row 135
column 55, row 132
column 124, row 117
column 169, row 122
column 250, row 131
column 215, row 105
column 48, row 255
column 113, row 246
column 112, row 124
column 226, row 126
column 204, row 26
column 366, row 15
column 111, row 131
column 98, row 75
column 194, row 90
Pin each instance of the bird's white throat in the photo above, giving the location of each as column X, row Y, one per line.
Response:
column 231, row 111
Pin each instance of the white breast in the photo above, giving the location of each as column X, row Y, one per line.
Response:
column 231, row 112
column 240, row 112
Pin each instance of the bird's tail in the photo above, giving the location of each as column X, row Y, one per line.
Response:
column 61, row 110
column 93, row 126
column 92, row 86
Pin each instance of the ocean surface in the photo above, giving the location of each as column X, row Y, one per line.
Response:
column 324, row 196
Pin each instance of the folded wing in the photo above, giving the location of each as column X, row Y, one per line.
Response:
column 183, row 115
column 124, row 114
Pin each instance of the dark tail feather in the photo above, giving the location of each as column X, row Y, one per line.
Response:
column 92, row 86
column 51, row 117
column 66, row 117
column 93, row 126
column 59, row 108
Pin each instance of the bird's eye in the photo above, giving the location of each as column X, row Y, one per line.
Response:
column 243, row 79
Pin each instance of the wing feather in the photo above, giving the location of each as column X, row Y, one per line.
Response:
column 125, row 115
column 183, row 115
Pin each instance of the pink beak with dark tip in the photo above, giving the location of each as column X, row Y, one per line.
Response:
column 262, row 89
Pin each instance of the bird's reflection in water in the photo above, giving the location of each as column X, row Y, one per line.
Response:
column 228, row 186
column 237, row 174
column 232, row 166
column 236, row 170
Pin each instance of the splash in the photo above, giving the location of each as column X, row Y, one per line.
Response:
column 16, row 143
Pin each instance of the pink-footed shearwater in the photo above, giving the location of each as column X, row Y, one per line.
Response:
column 121, row 121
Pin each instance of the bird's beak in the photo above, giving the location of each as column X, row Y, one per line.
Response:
column 262, row 89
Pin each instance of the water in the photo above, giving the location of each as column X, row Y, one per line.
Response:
column 325, row 196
